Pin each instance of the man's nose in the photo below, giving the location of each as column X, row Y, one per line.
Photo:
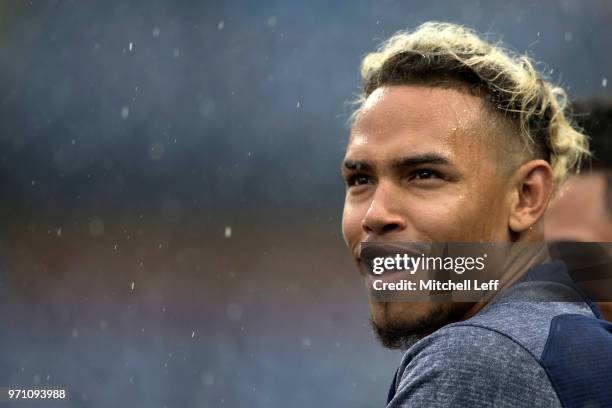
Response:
column 382, row 217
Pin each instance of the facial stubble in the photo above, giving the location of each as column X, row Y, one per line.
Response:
column 402, row 333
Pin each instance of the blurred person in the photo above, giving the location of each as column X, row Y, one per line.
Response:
column 582, row 211
column 459, row 140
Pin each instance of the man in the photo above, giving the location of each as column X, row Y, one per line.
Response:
column 582, row 211
column 457, row 140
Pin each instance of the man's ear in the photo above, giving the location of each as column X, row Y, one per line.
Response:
column 533, row 186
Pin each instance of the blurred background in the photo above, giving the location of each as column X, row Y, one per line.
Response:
column 170, row 194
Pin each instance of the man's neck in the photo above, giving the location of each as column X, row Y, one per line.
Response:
column 525, row 257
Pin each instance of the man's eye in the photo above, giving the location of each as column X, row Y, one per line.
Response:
column 425, row 174
column 357, row 180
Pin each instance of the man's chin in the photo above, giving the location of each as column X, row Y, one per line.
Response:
column 399, row 325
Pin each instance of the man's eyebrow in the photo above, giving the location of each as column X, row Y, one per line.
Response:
column 355, row 165
column 402, row 162
column 427, row 158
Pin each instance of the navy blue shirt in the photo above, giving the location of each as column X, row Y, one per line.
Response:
column 540, row 343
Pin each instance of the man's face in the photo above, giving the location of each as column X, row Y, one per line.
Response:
column 580, row 213
column 421, row 166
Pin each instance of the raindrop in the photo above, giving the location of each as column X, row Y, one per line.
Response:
column 604, row 82
column 156, row 32
column 125, row 112
column 132, row 286
column 131, row 46
column 193, row 334
column 228, row 232
column 220, row 25
column 157, row 151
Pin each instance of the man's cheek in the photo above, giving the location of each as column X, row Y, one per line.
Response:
column 438, row 223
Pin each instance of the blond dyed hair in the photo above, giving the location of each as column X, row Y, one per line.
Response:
column 438, row 53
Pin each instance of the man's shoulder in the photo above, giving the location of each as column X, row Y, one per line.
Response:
column 507, row 325
column 471, row 365
column 467, row 345
column 527, row 323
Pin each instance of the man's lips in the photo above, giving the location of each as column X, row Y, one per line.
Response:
column 390, row 249
column 388, row 277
